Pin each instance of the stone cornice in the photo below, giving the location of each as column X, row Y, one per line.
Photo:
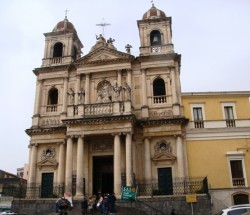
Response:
column 171, row 121
column 170, row 56
column 100, row 120
column 50, row 69
column 39, row 130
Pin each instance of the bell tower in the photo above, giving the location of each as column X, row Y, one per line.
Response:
column 62, row 45
column 155, row 33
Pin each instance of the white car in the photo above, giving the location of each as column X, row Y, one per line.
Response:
column 237, row 210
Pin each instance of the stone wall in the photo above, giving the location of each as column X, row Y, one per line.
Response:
column 155, row 205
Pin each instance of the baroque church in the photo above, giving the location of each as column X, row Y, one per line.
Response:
column 108, row 119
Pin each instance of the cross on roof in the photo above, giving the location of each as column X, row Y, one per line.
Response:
column 66, row 13
column 103, row 25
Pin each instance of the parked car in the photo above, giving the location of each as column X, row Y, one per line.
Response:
column 237, row 210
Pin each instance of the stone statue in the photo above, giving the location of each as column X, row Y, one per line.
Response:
column 128, row 47
column 117, row 89
column 71, row 95
column 127, row 90
column 105, row 92
column 81, row 95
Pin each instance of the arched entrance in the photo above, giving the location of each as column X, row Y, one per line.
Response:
column 103, row 174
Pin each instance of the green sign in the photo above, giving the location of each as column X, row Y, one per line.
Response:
column 129, row 193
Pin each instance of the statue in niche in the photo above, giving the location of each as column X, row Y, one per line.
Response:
column 81, row 95
column 71, row 95
column 117, row 89
column 127, row 90
column 99, row 96
column 105, row 92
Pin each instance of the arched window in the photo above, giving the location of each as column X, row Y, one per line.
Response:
column 155, row 38
column 52, row 100
column 240, row 198
column 159, row 91
column 58, row 50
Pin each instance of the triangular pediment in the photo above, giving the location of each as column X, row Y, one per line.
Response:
column 164, row 156
column 104, row 54
column 47, row 162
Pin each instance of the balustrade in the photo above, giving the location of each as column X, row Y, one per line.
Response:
column 238, row 182
column 159, row 99
column 51, row 108
column 56, row 60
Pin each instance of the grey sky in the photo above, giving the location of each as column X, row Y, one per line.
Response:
column 213, row 37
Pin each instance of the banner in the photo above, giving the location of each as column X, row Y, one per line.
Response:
column 129, row 193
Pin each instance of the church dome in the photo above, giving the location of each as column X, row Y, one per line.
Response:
column 64, row 25
column 153, row 13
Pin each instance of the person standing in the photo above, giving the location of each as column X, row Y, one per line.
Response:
column 84, row 206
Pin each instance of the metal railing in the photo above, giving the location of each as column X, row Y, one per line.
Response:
column 177, row 187
column 239, row 182
column 230, row 122
column 199, row 124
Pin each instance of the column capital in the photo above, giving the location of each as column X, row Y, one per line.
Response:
column 127, row 132
column 146, row 137
column 143, row 70
column 179, row 135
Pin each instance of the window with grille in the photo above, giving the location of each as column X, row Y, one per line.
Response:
column 237, row 173
column 198, row 117
column 229, row 116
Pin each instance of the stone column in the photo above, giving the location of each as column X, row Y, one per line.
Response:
column 32, row 167
column 129, row 170
column 180, row 156
column 69, row 165
column 38, row 97
column 119, row 77
column 79, row 167
column 77, row 88
column 129, row 77
column 168, row 90
column 61, row 163
column 117, row 164
column 144, row 88
column 147, row 160
column 65, row 96
column 87, row 83
column 173, row 82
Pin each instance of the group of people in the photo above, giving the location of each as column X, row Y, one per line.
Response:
column 104, row 204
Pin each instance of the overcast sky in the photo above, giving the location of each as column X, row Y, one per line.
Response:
column 213, row 37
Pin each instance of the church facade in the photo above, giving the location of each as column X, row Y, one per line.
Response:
column 108, row 118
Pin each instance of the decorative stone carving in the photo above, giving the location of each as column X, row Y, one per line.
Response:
column 163, row 152
column 160, row 114
column 50, row 121
column 102, row 146
column 117, row 89
column 48, row 158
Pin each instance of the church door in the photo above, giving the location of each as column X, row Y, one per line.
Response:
column 47, row 185
column 103, row 175
column 165, row 181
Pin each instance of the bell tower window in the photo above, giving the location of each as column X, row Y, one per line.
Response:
column 155, row 38
column 58, row 50
column 52, row 100
column 159, row 91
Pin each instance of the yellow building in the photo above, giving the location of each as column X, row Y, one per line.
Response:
column 218, row 143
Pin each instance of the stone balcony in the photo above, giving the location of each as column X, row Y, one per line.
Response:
column 99, row 109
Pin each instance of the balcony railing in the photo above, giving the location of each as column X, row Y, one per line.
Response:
column 56, row 60
column 199, row 124
column 238, row 182
column 230, row 122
